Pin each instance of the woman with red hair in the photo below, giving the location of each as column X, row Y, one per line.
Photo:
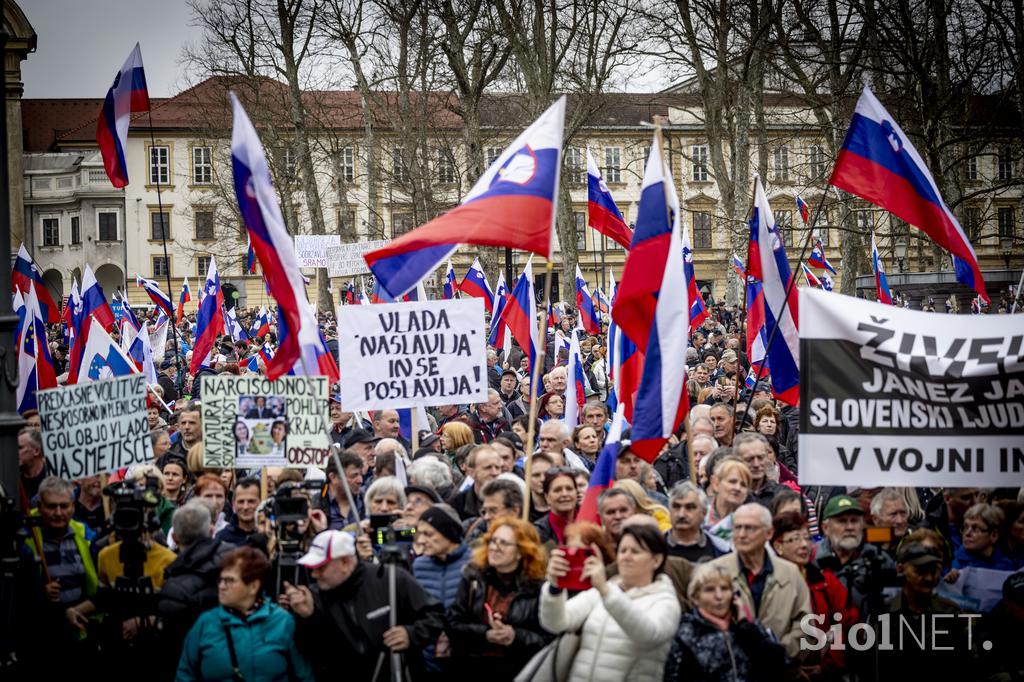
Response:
column 493, row 624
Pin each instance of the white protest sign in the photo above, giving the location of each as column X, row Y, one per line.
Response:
column 396, row 355
column 897, row 397
column 95, row 427
column 347, row 260
column 250, row 421
column 311, row 249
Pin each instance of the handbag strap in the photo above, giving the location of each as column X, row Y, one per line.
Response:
column 236, row 674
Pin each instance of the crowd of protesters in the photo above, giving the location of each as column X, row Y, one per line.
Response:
column 708, row 574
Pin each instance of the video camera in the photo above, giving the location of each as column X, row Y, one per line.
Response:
column 288, row 505
column 133, row 507
column 383, row 531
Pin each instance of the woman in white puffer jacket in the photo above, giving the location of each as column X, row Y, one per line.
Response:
column 627, row 621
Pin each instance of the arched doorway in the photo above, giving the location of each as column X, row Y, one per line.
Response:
column 55, row 284
column 230, row 295
column 110, row 278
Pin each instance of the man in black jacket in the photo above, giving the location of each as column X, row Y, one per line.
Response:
column 343, row 622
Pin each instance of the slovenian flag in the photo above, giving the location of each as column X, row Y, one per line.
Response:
column 24, row 276
column 803, row 209
column 585, row 306
column 603, row 475
column 513, row 204
column 451, row 285
column 35, row 366
column 161, row 300
column 602, row 213
column 520, row 314
column 128, row 95
column 576, row 386
column 739, row 267
column 210, row 319
column 498, row 335
column 812, row 281
column 878, row 163
column 817, row 258
column 881, row 281
column 94, row 315
column 186, row 296
column 475, row 284
column 101, row 357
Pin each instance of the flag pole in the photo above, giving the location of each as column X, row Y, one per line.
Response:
column 785, row 300
column 167, row 259
column 536, row 370
column 743, row 318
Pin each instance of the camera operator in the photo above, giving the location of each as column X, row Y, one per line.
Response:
column 241, row 530
column 190, row 586
column 291, row 520
column 342, row 621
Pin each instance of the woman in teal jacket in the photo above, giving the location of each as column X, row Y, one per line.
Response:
column 248, row 636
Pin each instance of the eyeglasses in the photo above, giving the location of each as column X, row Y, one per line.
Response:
column 743, row 529
column 227, row 580
column 975, row 528
column 798, row 539
column 500, row 544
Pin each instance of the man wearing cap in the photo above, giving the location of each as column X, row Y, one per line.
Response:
column 344, row 424
column 342, row 622
column 508, row 389
column 439, row 568
column 843, row 550
column 167, row 379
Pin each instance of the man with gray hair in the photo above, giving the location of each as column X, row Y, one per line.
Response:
column 756, row 453
column 688, row 505
column 489, row 419
column 769, row 588
column 614, row 506
column 66, row 544
column 555, row 439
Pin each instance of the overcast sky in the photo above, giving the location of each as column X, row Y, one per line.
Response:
column 83, row 43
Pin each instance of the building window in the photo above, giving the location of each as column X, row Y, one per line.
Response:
column 203, row 220
column 290, row 163
column 815, row 162
column 76, row 229
column 400, row 224
column 159, row 225
column 784, row 223
column 613, row 164
column 701, row 230
column 107, row 226
column 51, row 231
column 972, row 167
column 972, row 222
column 160, row 266
column 347, row 164
column 1007, row 219
column 865, row 221
column 1004, row 163
column 699, row 154
column 445, row 167
column 202, row 265
column 579, row 219
column 575, row 170
column 823, row 236
column 399, row 171
column 781, row 163
column 346, row 222
column 159, row 165
column 202, row 165
column 492, row 154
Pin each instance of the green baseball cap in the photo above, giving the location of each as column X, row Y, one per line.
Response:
column 841, row 504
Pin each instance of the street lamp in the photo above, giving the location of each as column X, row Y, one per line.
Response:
column 1006, row 246
column 900, row 251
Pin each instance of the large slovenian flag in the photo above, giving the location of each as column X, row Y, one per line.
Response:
column 24, row 276
column 94, row 308
column 499, row 335
column 513, row 204
column 520, row 314
column 101, row 357
column 881, row 281
column 626, row 364
column 757, row 333
column 186, row 296
column 603, row 475
column 879, row 163
column 576, row 386
column 128, row 95
column 315, row 359
column 35, row 366
column 602, row 213
column 210, row 319
column 275, row 250
column 817, row 257
column 159, row 298
column 234, row 326
column 812, row 281
column 475, row 284
column 585, row 306
column 767, row 263
column 653, row 310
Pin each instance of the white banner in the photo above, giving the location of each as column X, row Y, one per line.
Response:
column 311, row 249
column 347, row 260
column 897, row 397
column 250, row 421
column 395, row 355
column 95, row 427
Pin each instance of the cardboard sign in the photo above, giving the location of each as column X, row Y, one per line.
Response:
column 897, row 397
column 311, row 249
column 347, row 260
column 251, row 422
column 95, row 427
column 395, row 355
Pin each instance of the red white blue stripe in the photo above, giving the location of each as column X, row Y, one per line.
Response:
column 475, row 284
column 767, row 263
column 513, row 204
column 94, row 307
column 603, row 475
column 35, row 366
column 499, row 336
column 826, row 282
column 261, row 325
column 24, row 276
column 738, row 266
column 128, row 95
column 159, row 298
column 812, row 281
column 803, row 209
column 879, row 163
column 186, row 296
column 662, row 399
column 101, row 357
column 626, row 365
column 881, row 281
column 209, row 319
column 520, row 314
column 818, row 259
column 698, row 310
column 602, row 213
column 576, row 386
column 757, row 333
column 588, row 317
column 451, row 285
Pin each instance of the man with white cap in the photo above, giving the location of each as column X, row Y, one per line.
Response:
column 343, row 622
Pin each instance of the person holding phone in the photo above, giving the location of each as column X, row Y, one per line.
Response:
column 626, row 622
column 719, row 639
column 493, row 624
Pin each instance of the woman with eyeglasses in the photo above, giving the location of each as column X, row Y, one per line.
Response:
column 248, row 636
column 792, row 540
column 980, row 546
column 560, row 494
column 493, row 624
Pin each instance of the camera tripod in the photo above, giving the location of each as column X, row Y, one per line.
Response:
column 390, row 557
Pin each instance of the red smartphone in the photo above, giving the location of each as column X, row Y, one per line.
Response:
column 573, row 580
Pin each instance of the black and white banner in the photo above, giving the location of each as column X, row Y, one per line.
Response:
column 897, row 397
